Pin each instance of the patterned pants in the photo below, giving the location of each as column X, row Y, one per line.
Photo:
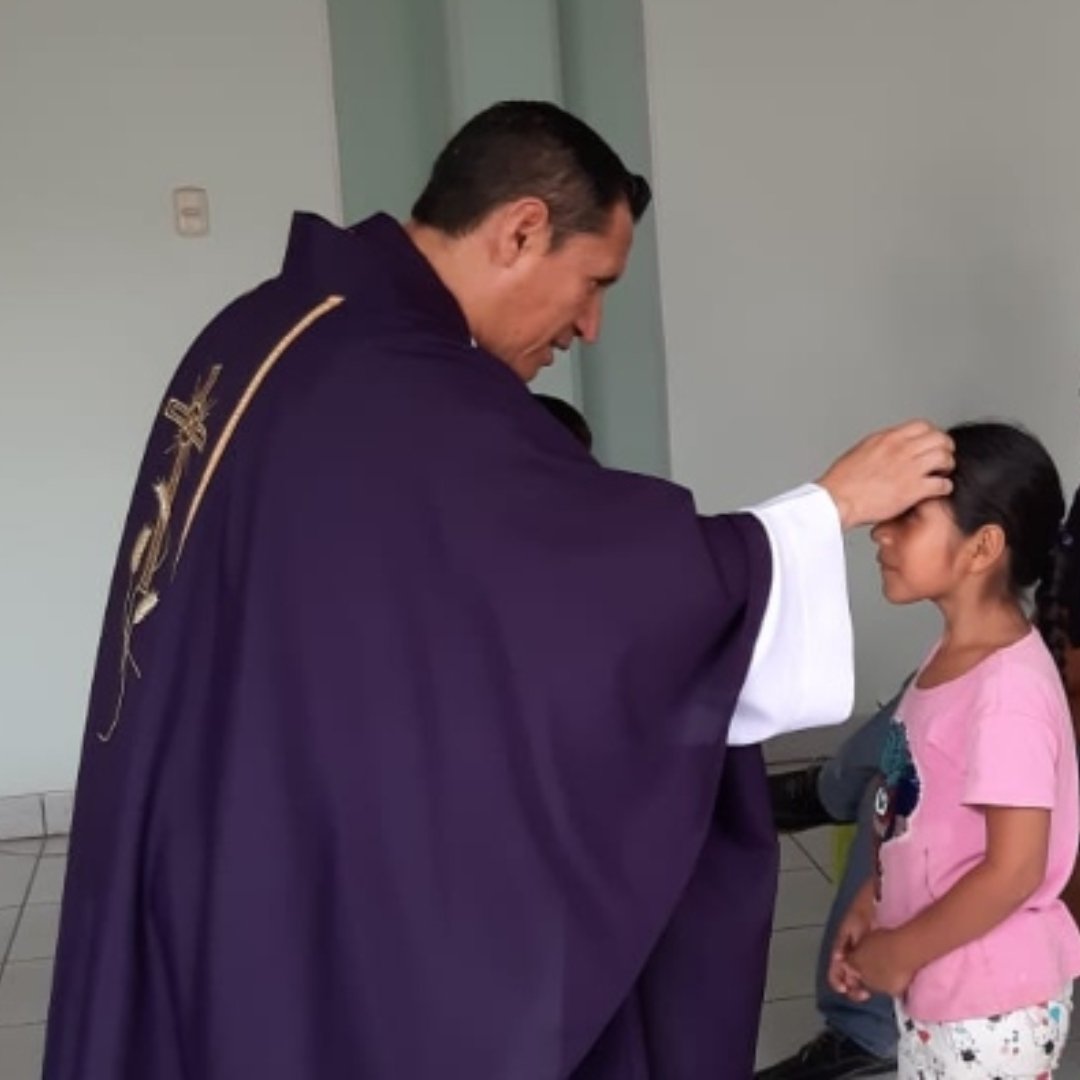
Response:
column 1023, row 1045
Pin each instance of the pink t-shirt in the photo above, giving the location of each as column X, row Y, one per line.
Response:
column 999, row 735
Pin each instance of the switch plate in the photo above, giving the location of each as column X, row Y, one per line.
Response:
column 191, row 211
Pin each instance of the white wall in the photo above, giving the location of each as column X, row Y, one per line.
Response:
column 867, row 210
column 104, row 108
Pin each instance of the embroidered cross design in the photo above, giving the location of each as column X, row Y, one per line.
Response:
column 151, row 548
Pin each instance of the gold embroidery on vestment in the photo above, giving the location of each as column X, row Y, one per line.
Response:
column 263, row 370
column 151, row 547
column 150, row 550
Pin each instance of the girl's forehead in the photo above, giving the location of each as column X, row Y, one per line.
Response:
column 937, row 508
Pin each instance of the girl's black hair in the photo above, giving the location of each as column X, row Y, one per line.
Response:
column 1005, row 477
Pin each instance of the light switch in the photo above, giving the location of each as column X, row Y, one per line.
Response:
column 191, row 211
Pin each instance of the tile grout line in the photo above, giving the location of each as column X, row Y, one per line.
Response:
column 789, row 929
column 11, row 941
column 22, row 911
column 809, row 854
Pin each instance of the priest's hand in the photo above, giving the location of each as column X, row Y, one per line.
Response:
column 890, row 471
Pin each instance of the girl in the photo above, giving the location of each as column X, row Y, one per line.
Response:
column 977, row 808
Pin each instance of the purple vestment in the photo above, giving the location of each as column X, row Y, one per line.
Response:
column 406, row 748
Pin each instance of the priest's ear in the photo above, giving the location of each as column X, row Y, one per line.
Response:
column 520, row 228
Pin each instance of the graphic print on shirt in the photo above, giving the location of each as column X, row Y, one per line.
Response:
column 897, row 794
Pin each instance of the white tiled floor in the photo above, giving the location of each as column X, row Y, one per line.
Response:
column 31, row 882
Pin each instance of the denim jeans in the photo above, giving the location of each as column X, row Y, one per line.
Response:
column 846, row 790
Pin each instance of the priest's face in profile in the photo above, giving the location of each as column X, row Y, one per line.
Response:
column 555, row 291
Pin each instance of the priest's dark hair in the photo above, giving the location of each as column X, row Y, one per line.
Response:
column 516, row 149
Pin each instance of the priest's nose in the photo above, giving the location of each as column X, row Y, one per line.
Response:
column 588, row 326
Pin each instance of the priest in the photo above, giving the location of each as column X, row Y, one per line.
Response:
column 421, row 745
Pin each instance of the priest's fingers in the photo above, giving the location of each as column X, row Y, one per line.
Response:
column 889, row 471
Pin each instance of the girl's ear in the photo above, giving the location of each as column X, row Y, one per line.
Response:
column 988, row 548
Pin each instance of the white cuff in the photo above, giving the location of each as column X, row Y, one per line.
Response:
column 802, row 670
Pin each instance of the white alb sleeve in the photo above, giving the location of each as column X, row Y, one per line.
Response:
column 802, row 671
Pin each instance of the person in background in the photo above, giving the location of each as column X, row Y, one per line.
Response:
column 858, row 1038
column 569, row 417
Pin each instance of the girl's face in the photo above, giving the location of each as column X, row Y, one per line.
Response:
column 920, row 553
